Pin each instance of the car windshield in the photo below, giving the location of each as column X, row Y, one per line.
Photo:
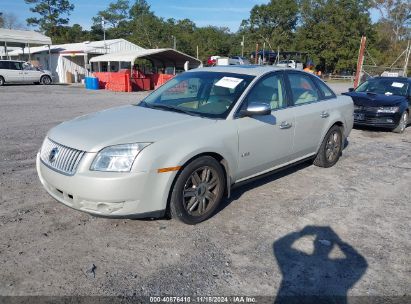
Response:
column 385, row 86
column 206, row 94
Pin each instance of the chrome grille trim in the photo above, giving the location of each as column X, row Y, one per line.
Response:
column 67, row 159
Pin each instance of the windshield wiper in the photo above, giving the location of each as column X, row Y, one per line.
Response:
column 172, row 108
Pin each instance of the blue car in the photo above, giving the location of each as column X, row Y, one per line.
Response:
column 383, row 102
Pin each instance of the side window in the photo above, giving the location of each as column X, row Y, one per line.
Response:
column 15, row 65
column 3, row 65
column 325, row 89
column 302, row 88
column 269, row 90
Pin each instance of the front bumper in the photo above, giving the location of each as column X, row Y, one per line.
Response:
column 381, row 120
column 107, row 194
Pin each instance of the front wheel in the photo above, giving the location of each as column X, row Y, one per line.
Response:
column 45, row 80
column 402, row 124
column 1, row 81
column 330, row 149
column 198, row 191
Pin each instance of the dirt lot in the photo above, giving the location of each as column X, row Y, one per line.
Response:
column 259, row 243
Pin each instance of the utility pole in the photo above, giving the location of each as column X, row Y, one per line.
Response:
column 197, row 51
column 103, row 24
column 256, row 53
column 174, row 42
column 360, row 61
column 407, row 57
column 242, row 47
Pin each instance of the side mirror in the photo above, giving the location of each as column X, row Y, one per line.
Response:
column 256, row 109
column 351, row 90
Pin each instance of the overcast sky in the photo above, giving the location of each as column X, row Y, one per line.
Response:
column 228, row 13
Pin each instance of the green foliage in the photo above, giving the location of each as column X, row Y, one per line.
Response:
column 273, row 23
column 52, row 14
column 329, row 30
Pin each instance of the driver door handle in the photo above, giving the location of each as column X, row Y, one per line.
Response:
column 324, row 114
column 285, row 125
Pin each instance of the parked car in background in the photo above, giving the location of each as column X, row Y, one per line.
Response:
column 294, row 64
column 185, row 145
column 383, row 102
column 212, row 60
column 238, row 60
column 14, row 71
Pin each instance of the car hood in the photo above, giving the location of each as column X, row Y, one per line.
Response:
column 127, row 124
column 375, row 100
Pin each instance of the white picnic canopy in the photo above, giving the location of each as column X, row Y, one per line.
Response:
column 159, row 57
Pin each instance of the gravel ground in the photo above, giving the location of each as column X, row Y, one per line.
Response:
column 340, row 231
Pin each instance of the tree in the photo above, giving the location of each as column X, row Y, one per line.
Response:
column 273, row 23
column 10, row 21
column 396, row 17
column 330, row 31
column 53, row 13
column 145, row 28
column 115, row 14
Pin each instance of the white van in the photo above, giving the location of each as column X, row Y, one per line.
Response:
column 14, row 71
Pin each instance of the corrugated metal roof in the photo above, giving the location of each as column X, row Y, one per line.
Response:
column 94, row 47
column 19, row 37
column 161, row 56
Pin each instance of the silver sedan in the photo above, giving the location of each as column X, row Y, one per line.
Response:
column 180, row 150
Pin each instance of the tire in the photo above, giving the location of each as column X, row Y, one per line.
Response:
column 402, row 123
column 45, row 80
column 197, row 191
column 1, row 81
column 330, row 149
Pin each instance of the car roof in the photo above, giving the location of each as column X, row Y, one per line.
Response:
column 253, row 70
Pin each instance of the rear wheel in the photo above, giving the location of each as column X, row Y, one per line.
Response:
column 330, row 149
column 402, row 124
column 198, row 191
column 45, row 80
column 1, row 81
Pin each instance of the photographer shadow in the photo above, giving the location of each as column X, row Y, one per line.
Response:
column 317, row 266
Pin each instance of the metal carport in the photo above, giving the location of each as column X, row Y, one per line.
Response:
column 159, row 57
column 20, row 38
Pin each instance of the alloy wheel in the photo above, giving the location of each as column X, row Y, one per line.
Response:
column 333, row 146
column 201, row 191
column 403, row 121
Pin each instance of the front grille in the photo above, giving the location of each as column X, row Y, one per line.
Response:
column 59, row 157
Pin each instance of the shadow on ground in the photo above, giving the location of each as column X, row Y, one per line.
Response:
column 317, row 266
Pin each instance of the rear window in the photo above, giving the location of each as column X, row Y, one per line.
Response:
column 325, row 89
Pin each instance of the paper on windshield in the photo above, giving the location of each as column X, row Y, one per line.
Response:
column 397, row 84
column 228, row 82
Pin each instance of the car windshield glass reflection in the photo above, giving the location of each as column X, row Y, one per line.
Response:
column 384, row 86
column 207, row 94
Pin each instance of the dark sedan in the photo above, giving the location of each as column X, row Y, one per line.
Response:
column 383, row 102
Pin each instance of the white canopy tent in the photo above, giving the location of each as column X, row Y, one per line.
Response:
column 158, row 57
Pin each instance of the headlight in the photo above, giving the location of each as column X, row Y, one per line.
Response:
column 387, row 109
column 118, row 158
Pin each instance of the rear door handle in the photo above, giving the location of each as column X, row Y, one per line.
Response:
column 285, row 125
column 324, row 114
